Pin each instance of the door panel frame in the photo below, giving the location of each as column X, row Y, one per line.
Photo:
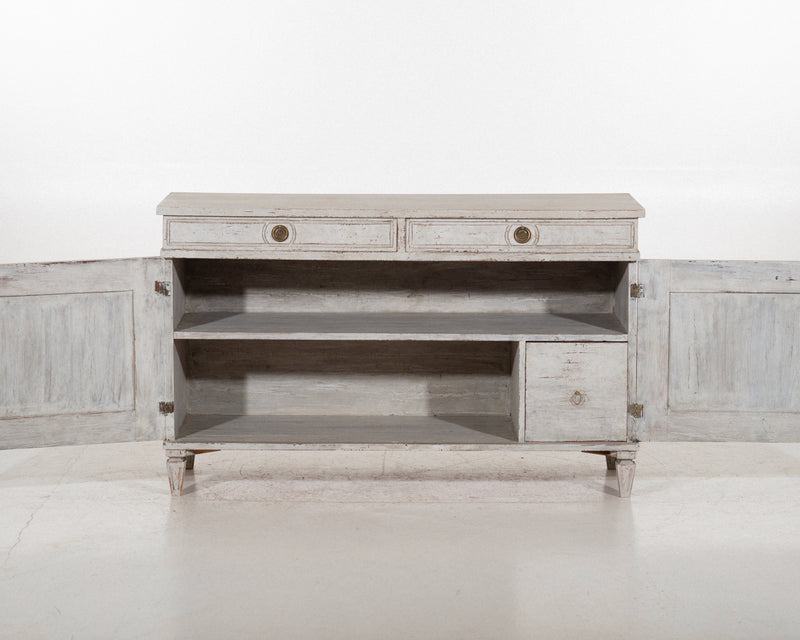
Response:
column 151, row 384
column 661, row 279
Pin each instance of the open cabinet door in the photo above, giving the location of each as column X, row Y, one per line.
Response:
column 718, row 351
column 82, row 356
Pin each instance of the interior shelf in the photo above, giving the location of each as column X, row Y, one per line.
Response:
column 223, row 325
column 253, row 431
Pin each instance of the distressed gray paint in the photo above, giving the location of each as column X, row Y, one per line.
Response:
column 576, row 391
column 420, row 287
column 66, row 354
column 348, row 378
column 399, row 228
column 560, row 206
column 719, row 351
column 81, row 352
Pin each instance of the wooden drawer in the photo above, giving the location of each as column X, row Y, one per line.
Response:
column 519, row 236
column 277, row 234
column 576, row 391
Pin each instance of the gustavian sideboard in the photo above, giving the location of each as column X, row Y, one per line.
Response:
column 463, row 322
column 511, row 322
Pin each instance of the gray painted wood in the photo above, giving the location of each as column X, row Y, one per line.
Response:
column 397, row 257
column 230, row 433
column 498, row 235
column 652, row 349
column 400, row 326
column 81, row 352
column 397, row 228
column 66, row 353
column 726, row 348
column 626, row 311
column 734, row 352
column 348, row 378
column 291, row 429
column 175, row 351
column 304, row 234
column 517, row 388
column 562, row 206
column 420, row 287
column 576, row 391
column 625, row 472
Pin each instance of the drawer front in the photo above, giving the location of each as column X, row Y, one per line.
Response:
column 520, row 236
column 576, row 391
column 276, row 234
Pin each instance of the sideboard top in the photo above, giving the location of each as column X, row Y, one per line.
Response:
column 559, row 206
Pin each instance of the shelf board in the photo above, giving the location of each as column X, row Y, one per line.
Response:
column 585, row 327
column 362, row 433
column 256, row 430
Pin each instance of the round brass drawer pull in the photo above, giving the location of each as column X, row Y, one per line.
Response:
column 280, row 233
column 522, row 235
column 577, row 398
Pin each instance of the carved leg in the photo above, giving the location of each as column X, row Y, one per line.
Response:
column 190, row 462
column 626, row 469
column 176, row 467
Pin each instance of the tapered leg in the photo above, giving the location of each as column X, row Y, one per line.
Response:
column 190, row 462
column 625, row 472
column 176, row 468
column 611, row 462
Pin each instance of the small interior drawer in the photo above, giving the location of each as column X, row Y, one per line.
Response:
column 520, row 236
column 278, row 234
column 576, row 391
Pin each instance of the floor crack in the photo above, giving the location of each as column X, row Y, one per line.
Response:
column 21, row 531
column 67, row 470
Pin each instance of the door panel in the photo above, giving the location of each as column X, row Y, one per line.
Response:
column 718, row 351
column 81, row 355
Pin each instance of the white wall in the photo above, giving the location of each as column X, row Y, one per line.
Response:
column 693, row 107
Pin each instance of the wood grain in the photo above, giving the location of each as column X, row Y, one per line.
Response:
column 318, row 429
column 66, row 353
column 564, row 206
column 329, row 378
column 453, row 235
column 419, row 287
column 82, row 355
column 734, row 352
column 576, row 391
column 305, row 234
column 400, row 326
column 719, row 351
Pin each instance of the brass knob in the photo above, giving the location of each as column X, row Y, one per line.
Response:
column 522, row 234
column 577, row 398
column 280, row 233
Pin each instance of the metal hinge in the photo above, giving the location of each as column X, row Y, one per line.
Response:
column 162, row 287
column 166, row 408
column 636, row 410
column 637, row 290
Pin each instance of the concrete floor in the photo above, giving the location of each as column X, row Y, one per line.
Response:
column 400, row 545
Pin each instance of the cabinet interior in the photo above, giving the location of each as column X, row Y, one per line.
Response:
column 267, row 351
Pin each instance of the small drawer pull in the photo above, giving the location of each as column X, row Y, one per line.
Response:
column 577, row 398
column 280, row 233
column 522, row 234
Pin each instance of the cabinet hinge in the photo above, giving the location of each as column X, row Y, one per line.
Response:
column 637, row 290
column 166, row 408
column 162, row 287
column 636, row 410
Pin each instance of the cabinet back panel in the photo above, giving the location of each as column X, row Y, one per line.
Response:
column 329, row 286
column 348, row 378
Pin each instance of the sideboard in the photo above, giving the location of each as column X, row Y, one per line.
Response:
column 506, row 322
column 461, row 322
